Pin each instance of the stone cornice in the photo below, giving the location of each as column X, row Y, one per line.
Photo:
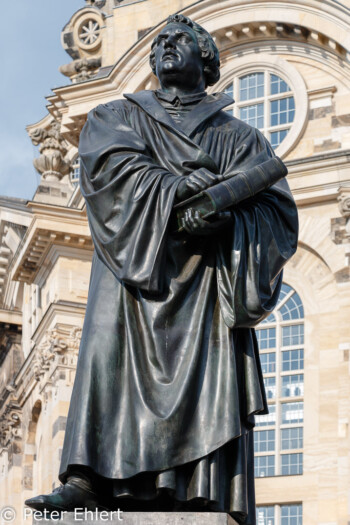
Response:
column 74, row 310
column 316, row 162
column 11, row 317
column 50, row 225
column 318, row 178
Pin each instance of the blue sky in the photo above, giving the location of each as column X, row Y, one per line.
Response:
column 30, row 56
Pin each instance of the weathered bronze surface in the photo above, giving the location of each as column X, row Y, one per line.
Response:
column 169, row 379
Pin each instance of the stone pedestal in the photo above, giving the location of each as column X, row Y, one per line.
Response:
column 140, row 518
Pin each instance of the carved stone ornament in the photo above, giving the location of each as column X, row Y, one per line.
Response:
column 51, row 164
column 82, row 39
column 52, row 347
column 49, row 348
column 80, row 70
column 10, row 427
column 340, row 227
column 96, row 3
column 344, row 202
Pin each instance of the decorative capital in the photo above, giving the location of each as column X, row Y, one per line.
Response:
column 51, row 164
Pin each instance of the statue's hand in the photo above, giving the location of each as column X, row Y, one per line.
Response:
column 195, row 183
column 195, row 225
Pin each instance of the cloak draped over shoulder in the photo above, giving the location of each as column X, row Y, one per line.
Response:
column 168, row 371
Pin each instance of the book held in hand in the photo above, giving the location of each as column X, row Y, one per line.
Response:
column 231, row 191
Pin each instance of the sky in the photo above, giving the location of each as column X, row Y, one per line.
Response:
column 30, row 56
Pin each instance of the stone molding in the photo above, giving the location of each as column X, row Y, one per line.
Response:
column 272, row 30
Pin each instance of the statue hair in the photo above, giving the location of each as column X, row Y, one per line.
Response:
column 209, row 51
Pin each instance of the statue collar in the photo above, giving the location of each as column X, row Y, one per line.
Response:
column 205, row 109
column 183, row 99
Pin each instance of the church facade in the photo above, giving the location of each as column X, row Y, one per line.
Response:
column 287, row 65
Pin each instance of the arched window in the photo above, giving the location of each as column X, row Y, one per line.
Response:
column 265, row 101
column 278, row 436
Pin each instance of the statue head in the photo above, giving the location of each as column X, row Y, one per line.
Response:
column 203, row 56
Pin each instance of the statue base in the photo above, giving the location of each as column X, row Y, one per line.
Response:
column 138, row 518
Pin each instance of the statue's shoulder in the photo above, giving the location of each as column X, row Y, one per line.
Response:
column 224, row 119
column 115, row 109
column 119, row 105
column 227, row 122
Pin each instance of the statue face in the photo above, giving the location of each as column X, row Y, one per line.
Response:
column 178, row 57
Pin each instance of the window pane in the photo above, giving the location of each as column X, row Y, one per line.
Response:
column 291, row 515
column 75, row 172
column 292, row 360
column 251, row 86
column 270, row 319
column 264, row 441
column 293, row 335
column 266, row 338
column 285, row 289
column 293, row 308
column 270, row 387
column 291, row 464
column 229, row 89
column 277, row 137
column 266, row 420
column 292, row 413
column 291, row 438
column 264, row 466
column 268, row 362
column 293, row 385
column 282, row 111
column 265, row 515
column 253, row 115
column 277, row 85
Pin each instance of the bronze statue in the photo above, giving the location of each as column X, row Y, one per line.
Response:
column 168, row 378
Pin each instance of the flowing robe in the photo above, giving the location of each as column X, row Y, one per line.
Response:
column 168, row 372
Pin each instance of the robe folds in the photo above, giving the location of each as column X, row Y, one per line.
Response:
column 168, row 377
